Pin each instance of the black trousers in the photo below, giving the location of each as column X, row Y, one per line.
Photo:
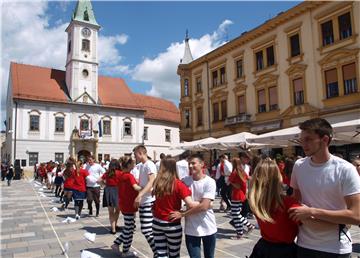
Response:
column 266, row 249
column 309, row 253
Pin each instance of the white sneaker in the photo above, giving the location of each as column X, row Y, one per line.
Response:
column 129, row 254
column 77, row 216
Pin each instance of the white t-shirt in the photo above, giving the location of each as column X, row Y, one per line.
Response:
column 182, row 168
column 95, row 172
column 158, row 165
column 227, row 171
column 324, row 186
column 146, row 169
column 203, row 223
column 136, row 171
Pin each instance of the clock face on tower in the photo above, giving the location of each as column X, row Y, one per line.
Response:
column 86, row 32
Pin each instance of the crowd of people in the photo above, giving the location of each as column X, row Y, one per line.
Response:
column 304, row 206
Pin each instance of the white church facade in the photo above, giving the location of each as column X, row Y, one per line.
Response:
column 53, row 114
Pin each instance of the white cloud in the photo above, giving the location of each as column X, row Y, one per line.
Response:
column 27, row 38
column 160, row 71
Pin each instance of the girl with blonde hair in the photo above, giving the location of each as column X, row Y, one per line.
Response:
column 238, row 179
column 270, row 205
column 169, row 191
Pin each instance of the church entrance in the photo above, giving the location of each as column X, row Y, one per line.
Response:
column 83, row 155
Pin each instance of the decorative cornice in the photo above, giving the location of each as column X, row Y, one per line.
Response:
column 258, row 45
column 293, row 27
column 240, row 88
column 338, row 55
column 266, row 80
column 296, row 69
column 257, row 32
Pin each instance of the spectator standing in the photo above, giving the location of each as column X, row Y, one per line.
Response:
column 329, row 187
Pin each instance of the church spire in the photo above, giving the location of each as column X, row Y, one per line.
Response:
column 187, row 53
column 84, row 12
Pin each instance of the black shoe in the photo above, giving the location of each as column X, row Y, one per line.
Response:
column 112, row 232
column 232, row 223
column 90, row 212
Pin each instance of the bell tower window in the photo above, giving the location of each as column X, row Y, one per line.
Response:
column 85, row 46
column 85, row 73
column 86, row 15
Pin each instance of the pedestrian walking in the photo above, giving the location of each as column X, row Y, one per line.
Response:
column 79, row 188
column 111, row 196
column 128, row 191
column 92, row 187
column 68, row 182
column 223, row 172
column 10, row 174
column 145, row 200
column 238, row 179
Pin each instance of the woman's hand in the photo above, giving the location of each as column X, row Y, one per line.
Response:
column 175, row 215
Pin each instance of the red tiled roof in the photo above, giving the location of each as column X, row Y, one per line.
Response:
column 47, row 84
column 158, row 109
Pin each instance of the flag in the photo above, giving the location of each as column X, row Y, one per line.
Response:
column 100, row 128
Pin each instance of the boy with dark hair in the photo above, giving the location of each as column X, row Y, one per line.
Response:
column 329, row 188
column 200, row 223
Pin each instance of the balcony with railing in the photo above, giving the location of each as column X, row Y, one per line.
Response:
column 238, row 119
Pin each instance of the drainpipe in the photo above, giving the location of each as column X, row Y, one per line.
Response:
column 15, row 132
column 209, row 116
column 208, row 92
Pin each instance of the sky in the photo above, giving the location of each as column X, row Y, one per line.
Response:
column 141, row 42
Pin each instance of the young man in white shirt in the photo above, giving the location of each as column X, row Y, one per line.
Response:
column 182, row 166
column 200, row 223
column 145, row 200
column 92, row 187
column 223, row 172
column 329, row 188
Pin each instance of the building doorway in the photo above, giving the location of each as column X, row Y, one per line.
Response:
column 83, row 155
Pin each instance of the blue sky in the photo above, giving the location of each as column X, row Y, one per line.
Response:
column 139, row 41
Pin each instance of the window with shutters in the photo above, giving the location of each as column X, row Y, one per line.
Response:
column 349, row 77
column 223, row 110
column 261, row 101
column 298, row 86
column 241, row 104
column 273, row 98
column 215, row 112
column 199, row 112
column 332, row 87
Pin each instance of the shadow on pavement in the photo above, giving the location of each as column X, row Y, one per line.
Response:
column 98, row 230
column 104, row 252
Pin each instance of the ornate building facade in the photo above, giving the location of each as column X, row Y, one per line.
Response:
column 303, row 63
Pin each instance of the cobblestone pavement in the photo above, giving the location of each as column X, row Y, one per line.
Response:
column 30, row 229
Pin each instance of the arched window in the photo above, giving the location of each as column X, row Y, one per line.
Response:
column 34, row 120
column 127, row 126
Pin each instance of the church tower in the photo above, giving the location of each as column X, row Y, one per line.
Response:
column 82, row 58
column 187, row 53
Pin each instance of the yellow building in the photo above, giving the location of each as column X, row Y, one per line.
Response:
column 301, row 64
